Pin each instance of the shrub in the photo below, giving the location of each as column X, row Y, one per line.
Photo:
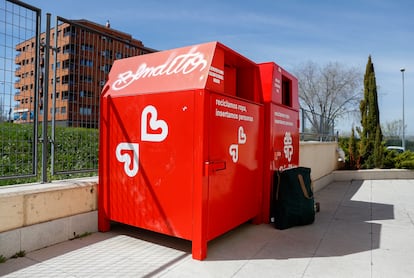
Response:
column 405, row 160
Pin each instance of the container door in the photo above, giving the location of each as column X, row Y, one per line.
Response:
column 285, row 136
column 235, row 158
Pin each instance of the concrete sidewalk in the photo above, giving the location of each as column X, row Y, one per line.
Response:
column 364, row 229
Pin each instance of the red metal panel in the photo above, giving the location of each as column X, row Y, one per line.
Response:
column 166, row 71
column 235, row 156
column 216, row 81
column 281, row 126
column 150, row 152
column 285, row 136
column 271, row 79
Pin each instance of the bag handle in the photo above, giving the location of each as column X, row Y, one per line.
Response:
column 278, row 185
column 302, row 185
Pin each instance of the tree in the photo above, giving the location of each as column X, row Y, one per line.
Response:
column 353, row 151
column 329, row 93
column 392, row 129
column 371, row 147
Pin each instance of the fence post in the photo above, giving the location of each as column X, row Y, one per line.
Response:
column 45, row 140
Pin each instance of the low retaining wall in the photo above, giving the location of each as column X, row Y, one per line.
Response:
column 321, row 157
column 33, row 216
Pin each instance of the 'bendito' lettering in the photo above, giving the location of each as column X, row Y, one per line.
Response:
column 184, row 64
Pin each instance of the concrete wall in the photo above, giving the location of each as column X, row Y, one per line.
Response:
column 322, row 158
column 33, row 216
column 28, row 204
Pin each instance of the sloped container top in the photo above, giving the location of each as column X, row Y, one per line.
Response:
column 201, row 66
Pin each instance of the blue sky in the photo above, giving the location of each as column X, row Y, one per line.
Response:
column 286, row 32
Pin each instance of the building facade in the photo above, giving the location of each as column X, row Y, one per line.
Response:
column 84, row 53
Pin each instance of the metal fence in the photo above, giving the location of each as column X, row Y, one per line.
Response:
column 18, row 144
column 50, row 83
column 316, row 127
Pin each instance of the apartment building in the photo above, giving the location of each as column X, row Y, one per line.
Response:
column 84, row 53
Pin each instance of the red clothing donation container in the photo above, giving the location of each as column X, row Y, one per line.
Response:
column 281, row 126
column 181, row 135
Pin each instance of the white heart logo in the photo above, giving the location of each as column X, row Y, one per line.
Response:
column 234, row 152
column 123, row 154
column 288, row 147
column 154, row 125
column 242, row 136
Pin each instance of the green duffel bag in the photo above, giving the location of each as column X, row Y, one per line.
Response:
column 293, row 202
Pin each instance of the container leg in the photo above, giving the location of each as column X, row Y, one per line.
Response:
column 199, row 250
column 257, row 220
column 104, row 224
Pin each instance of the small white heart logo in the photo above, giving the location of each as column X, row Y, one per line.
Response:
column 123, row 154
column 234, row 152
column 242, row 136
column 154, row 125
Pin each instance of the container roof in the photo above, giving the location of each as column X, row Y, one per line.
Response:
column 192, row 67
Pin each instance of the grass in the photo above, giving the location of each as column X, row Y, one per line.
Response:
column 85, row 234
column 19, row 254
column 75, row 149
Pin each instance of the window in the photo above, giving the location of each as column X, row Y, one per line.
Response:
column 67, row 79
column 107, row 53
column 106, row 68
column 69, row 31
column 86, row 78
column 65, row 94
column 63, row 110
column 85, row 110
column 87, row 47
column 86, row 93
column 69, row 49
column 68, row 64
column 86, row 63
column 56, row 95
column 105, row 38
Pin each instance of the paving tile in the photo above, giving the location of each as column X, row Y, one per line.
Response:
column 392, row 263
column 354, row 265
column 295, row 267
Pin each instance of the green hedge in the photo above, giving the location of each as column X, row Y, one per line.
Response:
column 392, row 159
column 75, row 149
